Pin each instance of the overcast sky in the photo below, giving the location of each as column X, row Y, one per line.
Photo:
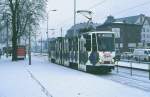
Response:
column 63, row 17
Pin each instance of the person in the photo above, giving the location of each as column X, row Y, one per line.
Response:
column 0, row 53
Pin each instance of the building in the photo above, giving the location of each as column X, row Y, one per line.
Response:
column 127, row 35
column 139, row 21
column 145, row 33
column 142, row 20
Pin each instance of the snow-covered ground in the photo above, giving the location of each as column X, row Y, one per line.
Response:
column 44, row 79
column 134, row 65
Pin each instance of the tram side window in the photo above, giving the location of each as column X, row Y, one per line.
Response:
column 70, row 44
column 75, row 44
column 52, row 46
column 88, row 42
column 94, row 44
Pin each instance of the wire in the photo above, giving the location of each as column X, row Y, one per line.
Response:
column 93, row 6
column 130, row 8
column 124, row 10
column 119, row 12
column 97, row 4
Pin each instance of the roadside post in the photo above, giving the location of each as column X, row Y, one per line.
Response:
column 139, row 59
column 149, row 70
column 117, row 66
column 131, row 68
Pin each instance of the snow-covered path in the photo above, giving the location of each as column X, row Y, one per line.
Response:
column 43, row 79
column 16, row 82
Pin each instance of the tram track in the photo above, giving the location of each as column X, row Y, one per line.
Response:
column 128, row 80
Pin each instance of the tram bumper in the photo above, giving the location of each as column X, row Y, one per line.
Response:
column 103, row 68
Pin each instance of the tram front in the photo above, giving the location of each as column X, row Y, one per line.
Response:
column 103, row 51
column 106, row 47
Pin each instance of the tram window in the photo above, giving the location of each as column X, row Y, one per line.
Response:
column 88, row 42
column 106, row 42
column 66, row 45
column 94, row 45
column 82, row 46
column 70, row 44
column 52, row 46
column 75, row 44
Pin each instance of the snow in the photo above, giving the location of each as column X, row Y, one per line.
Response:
column 44, row 79
column 16, row 82
column 134, row 65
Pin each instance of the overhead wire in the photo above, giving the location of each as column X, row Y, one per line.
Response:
column 130, row 8
column 93, row 6
column 116, row 13
column 133, row 7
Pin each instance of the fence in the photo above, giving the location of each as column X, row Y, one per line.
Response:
column 134, row 65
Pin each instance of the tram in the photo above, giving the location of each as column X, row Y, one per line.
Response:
column 91, row 52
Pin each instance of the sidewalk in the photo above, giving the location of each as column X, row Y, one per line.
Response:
column 15, row 80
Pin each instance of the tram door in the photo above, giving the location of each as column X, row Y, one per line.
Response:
column 66, row 52
column 84, row 48
column 62, row 50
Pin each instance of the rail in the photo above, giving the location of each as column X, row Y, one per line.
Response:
column 131, row 67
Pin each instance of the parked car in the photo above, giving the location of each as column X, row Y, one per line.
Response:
column 141, row 54
column 117, row 55
column 127, row 55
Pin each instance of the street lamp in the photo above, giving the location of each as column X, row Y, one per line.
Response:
column 54, row 10
column 74, row 30
column 48, row 39
column 29, row 51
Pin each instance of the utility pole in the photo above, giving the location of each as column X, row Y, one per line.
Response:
column 7, row 37
column 29, row 45
column 41, row 45
column 30, row 40
column 61, row 31
column 61, row 46
column 35, row 43
column 74, row 30
column 47, row 42
column 54, row 10
column 47, row 31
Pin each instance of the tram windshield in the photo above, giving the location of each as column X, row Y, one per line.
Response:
column 105, row 42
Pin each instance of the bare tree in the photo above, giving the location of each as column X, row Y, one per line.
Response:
column 24, row 14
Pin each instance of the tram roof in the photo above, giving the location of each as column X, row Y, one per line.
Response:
column 99, row 32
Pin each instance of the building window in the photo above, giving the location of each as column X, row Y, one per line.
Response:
column 143, row 29
column 143, row 35
column 147, row 30
column 148, row 35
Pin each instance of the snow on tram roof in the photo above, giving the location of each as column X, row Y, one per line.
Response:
column 100, row 32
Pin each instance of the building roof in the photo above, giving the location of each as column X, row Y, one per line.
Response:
column 117, row 24
column 128, row 20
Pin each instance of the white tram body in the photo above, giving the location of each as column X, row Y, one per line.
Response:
column 92, row 52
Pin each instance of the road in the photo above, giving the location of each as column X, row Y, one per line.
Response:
column 139, row 79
